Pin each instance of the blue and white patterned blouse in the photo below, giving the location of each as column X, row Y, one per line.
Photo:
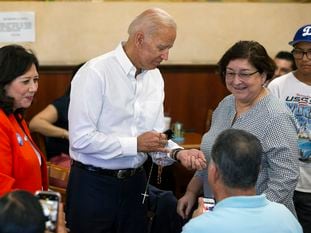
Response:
column 274, row 126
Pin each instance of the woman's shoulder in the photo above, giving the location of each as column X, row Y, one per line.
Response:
column 6, row 121
column 226, row 103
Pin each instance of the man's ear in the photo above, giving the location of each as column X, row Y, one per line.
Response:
column 139, row 38
column 213, row 174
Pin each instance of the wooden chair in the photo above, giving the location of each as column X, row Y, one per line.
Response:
column 58, row 179
column 208, row 121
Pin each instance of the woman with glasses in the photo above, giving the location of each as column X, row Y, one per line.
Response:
column 295, row 90
column 244, row 68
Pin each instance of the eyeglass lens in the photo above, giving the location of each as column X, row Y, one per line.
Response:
column 231, row 74
column 298, row 54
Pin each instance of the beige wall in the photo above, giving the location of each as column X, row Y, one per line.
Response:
column 71, row 32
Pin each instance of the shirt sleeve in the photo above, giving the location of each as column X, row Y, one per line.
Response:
column 164, row 159
column 274, row 89
column 282, row 164
column 86, row 103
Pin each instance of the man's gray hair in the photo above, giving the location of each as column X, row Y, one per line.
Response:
column 150, row 21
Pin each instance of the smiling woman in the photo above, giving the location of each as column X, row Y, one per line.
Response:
column 23, row 88
column 22, row 165
column 244, row 68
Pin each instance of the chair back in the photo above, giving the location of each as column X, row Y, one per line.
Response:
column 58, row 178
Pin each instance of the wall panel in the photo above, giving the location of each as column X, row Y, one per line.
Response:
column 69, row 33
column 189, row 91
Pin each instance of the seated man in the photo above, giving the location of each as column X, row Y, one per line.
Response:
column 232, row 174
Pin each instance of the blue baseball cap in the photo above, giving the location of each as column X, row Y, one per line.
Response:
column 302, row 35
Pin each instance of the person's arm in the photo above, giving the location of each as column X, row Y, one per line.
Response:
column 85, row 116
column 282, row 159
column 43, row 123
column 186, row 203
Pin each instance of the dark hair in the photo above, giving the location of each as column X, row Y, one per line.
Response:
column 237, row 154
column 21, row 212
column 254, row 52
column 287, row 56
column 15, row 60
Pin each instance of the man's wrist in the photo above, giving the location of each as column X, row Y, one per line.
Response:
column 174, row 153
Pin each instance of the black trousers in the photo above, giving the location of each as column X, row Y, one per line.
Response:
column 302, row 202
column 105, row 204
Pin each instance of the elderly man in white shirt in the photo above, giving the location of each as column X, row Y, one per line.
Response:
column 115, row 121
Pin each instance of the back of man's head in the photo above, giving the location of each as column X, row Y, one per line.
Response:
column 237, row 155
column 21, row 212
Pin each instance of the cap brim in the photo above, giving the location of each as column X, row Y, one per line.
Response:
column 292, row 43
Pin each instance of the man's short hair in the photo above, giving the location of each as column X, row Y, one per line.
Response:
column 237, row 155
column 287, row 56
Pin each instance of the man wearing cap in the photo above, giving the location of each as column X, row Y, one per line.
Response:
column 295, row 89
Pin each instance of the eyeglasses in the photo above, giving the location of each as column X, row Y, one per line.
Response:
column 299, row 53
column 243, row 75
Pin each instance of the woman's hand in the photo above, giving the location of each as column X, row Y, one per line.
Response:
column 185, row 204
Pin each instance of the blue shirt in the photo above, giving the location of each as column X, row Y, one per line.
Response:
column 245, row 214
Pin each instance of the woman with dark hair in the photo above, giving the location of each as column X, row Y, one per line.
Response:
column 244, row 69
column 22, row 165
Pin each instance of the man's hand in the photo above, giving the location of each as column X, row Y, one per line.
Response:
column 200, row 209
column 152, row 141
column 61, row 223
column 192, row 159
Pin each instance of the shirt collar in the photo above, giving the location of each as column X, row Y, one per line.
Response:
column 243, row 202
column 124, row 61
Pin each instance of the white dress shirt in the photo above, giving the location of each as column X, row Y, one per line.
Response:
column 109, row 108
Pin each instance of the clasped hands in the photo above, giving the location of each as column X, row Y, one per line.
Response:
column 153, row 141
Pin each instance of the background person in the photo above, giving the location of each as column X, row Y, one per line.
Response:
column 285, row 63
column 232, row 174
column 22, row 166
column 21, row 212
column 52, row 122
column 244, row 68
column 295, row 89
column 115, row 121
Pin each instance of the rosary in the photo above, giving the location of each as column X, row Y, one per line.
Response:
column 160, row 169
column 169, row 135
column 159, row 178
